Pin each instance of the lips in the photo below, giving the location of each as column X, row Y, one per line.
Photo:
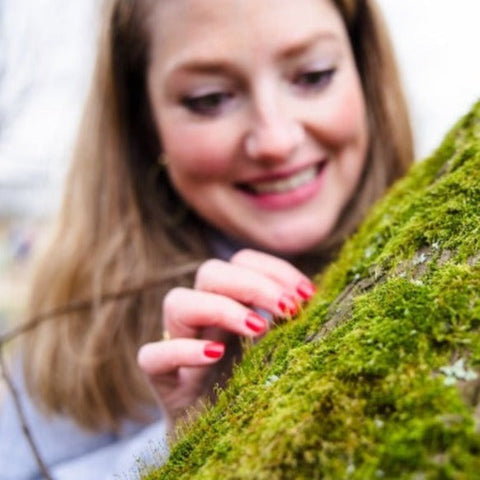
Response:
column 284, row 183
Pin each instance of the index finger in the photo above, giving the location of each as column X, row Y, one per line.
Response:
column 278, row 269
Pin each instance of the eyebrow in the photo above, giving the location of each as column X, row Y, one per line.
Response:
column 206, row 66
column 211, row 66
column 298, row 47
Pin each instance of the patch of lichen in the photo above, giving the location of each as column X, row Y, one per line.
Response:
column 378, row 377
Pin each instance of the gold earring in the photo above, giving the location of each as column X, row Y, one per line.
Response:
column 162, row 160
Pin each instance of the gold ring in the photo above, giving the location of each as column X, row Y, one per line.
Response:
column 166, row 335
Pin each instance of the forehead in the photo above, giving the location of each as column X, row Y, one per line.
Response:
column 180, row 29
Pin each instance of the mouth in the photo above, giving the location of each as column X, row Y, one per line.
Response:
column 284, row 183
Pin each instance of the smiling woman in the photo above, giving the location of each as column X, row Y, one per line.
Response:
column 264, row 132
column 281, row 124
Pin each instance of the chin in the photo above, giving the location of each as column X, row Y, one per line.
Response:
column 288, row 242
column 294, row 246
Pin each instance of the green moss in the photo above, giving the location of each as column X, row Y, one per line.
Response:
column 378, row 377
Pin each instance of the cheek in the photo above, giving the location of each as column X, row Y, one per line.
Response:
column 349, row 121
column 340, row 118
column 348, row 136
column 199, row 152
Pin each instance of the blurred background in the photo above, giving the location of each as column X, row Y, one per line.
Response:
column 46, row 58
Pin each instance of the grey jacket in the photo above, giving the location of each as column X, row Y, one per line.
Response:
column 72, row 453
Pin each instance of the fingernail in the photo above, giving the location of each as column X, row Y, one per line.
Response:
column 287, row 304
column 306, row 289
column 255, row 322
column 214, row 350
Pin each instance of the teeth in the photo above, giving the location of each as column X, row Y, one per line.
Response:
column 285, row 184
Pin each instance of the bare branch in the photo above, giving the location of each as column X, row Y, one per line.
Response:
column 87, row 304
column 21, row 416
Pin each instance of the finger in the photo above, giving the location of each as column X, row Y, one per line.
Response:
column 278, row 269
column 246, row 286
column 187, row 311
column 161, row 358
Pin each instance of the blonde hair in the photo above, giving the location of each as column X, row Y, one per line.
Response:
column 121, row 223
column 391, row 145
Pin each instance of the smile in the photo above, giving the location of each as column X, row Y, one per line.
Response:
column 284, row 184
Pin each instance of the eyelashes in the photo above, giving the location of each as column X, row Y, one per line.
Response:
column 209, row 104
column 218, row 102
column 315, row 80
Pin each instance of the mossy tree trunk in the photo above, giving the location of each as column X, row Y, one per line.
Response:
column 379, row 376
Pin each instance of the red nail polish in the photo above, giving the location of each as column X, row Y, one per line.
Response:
column 288, row 305
column 255, row 322
column 306, row 289
column 214, row 350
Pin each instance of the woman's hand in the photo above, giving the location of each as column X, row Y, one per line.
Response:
column 198, row 321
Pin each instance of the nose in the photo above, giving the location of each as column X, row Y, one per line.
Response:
column 274, row 136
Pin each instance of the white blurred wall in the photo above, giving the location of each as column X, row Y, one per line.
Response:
column 437, row 44
column 46, row 52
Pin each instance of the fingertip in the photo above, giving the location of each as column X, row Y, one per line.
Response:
column 143, row 355
column 256, row 323
column 214, row 350
column 288, row 305
column 306, row 289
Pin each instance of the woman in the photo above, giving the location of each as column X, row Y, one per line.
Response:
column 246, row 137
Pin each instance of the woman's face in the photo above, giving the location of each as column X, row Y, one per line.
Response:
column 261, row 115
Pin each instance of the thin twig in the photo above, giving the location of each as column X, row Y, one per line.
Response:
column 87, row 304
column 21, row 416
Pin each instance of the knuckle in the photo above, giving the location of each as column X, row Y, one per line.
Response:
column 242, row 255
column 172, row 299
column 205, row 271
column 253, row 295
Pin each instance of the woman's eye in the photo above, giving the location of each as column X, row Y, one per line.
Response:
column 210, row 104
column 315, row 80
